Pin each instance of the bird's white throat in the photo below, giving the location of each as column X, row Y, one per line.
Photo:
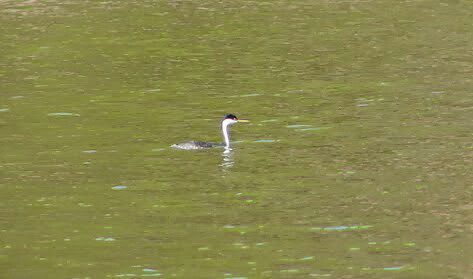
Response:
column 225, row 131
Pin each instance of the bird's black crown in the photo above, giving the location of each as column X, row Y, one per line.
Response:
column 231, row 116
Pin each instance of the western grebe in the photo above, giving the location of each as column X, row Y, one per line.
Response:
column 229, row 120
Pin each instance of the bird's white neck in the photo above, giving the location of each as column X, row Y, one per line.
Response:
column 225, row 132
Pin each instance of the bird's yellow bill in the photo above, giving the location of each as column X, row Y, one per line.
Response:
column 243, row 120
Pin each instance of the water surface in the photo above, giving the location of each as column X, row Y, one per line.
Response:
column 356, row 163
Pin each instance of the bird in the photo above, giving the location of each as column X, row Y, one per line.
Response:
column 227, row 121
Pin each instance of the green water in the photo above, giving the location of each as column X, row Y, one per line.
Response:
column 356, row 163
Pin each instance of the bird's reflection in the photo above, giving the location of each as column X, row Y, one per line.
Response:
column 228, row 161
